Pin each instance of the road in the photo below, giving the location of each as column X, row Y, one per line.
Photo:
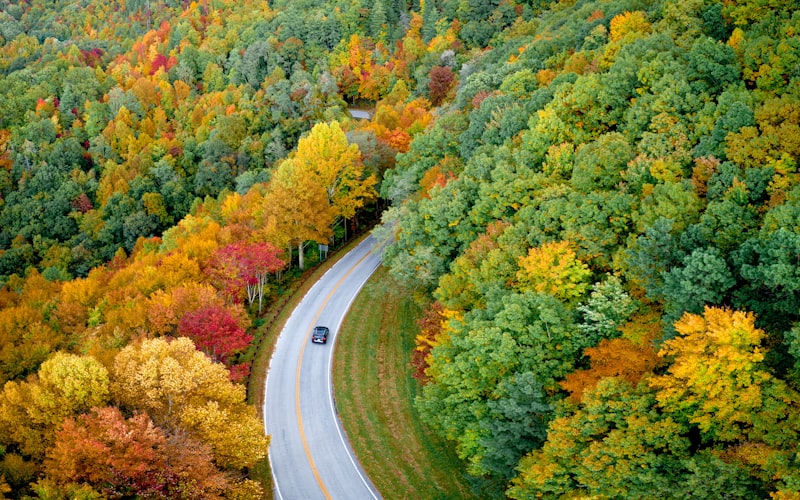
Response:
column 309, row 453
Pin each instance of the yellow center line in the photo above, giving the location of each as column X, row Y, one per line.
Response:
column 297, row 380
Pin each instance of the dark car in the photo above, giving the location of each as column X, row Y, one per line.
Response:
column 320, row 335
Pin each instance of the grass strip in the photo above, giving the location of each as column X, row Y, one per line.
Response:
column 374, row 396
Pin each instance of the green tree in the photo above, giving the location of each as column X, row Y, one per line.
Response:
column 607, row 307
column 492, row 361
column 704, row 279
column 769, row 266
column 598, row 163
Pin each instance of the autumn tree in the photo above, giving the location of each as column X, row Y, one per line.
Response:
column 717, row 380
column 440, row 81
column 296, row 210
column 310, row 191
column 119, row 457
column 181, row 388
column 555, row 269
column 617, row 443
column 32, row 411
column 246, row 266
column 621, row 358
column 335, row 164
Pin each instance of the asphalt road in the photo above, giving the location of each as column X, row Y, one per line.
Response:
column 309, row 453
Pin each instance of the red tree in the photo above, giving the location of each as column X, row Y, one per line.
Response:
column 245, row 266
column 214, row 331
column 440, row 81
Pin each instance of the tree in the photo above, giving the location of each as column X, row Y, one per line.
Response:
column 495, row 370
column 296, row 209
column 440, row 81
column 246, row 266
column 31, row 411
column 606, row 309
column 769, row 266
column 431, row 333
column 483, row 264
column 554, row 268
column 429, row 17
column 703, row 280
column 121, row 457
column 214, row 331
column 616, row 443
column 598, row 163
column 621, row 358
column 336, row 165
column 718, row 383
column 377, row 21
column 182, row 389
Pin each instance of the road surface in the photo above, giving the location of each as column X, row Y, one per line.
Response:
column 309, row 453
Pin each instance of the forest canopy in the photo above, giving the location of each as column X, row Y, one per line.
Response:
column 596, row 202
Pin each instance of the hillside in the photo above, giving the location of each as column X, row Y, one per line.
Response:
column 595, row 201
column 606, row 220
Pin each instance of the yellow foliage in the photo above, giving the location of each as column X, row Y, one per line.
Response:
column 31, row 412
column 716, row 375
column 633, row 23
column 553, row 268
column 181, row 388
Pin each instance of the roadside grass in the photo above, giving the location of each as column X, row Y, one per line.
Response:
column 375, row 391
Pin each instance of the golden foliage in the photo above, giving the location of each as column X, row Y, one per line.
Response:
column 555, row 269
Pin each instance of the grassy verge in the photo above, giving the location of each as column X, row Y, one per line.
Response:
column 374, row 393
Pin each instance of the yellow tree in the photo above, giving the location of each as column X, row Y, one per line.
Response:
column 182, row 389
column 296, row 209
column 31, row 411
column 717, row 381
column 553, row 268
column 335, row 165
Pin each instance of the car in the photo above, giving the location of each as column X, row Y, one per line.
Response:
column 320, row 335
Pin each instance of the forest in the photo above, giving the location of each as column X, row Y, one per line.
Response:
column 597, row 202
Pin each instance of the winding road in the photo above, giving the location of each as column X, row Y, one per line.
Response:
column 309, row 453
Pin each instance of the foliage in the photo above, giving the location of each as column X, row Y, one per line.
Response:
column 634, row 163
column 119, row 457
column 180, row 387
column 582, row 159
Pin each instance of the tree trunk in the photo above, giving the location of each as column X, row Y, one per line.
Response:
column 301, row 261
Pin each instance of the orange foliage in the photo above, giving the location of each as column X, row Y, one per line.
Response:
column 545, row 77
column 596, row 15
column 5, row 157
column 703, row 169
column 396, row 123
column 619, row 358
column 433, row 331
column 434, row 177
